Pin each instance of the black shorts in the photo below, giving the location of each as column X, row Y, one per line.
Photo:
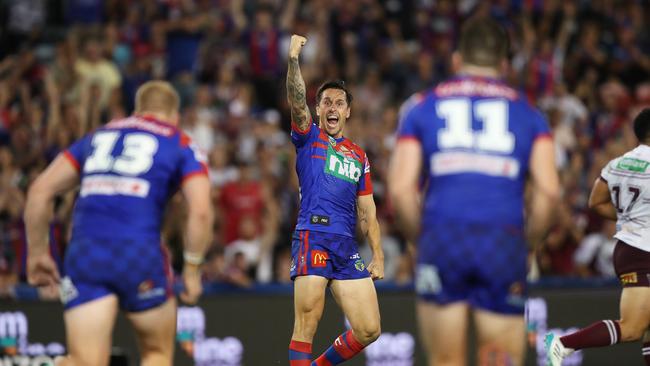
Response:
column 632, row 265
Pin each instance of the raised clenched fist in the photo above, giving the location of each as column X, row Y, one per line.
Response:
column 296, row 45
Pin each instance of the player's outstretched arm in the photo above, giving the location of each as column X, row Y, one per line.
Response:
column 196, row 191
column 296, row 91
column 59, row 177
column 545, row 192
column 600, row 201
column 367, row 218
column 403, row 175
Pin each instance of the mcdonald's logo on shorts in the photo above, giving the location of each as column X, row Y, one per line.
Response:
column 319, row 258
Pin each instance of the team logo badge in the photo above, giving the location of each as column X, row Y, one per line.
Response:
column 359, row 265
column 147, row 290
column 319, row 258
column 145, row 286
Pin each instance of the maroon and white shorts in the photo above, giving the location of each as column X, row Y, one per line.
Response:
column 632, row 265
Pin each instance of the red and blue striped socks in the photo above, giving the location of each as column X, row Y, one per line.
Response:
column 299, row 353
column 344, row 348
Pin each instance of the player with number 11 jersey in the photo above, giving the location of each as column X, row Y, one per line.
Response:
column 476, row 135
column 472, row 142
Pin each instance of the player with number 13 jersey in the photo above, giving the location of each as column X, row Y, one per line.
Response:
column 128, row 170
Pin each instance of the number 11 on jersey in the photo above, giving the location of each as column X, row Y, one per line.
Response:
column 458, row 114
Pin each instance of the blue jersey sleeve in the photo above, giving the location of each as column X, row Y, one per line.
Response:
column 540, row 126
column 300, row 138
column 365, row 183
column 76, row 153
column 408, row 125
column 193, row 161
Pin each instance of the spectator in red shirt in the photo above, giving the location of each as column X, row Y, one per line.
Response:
column 244, row 197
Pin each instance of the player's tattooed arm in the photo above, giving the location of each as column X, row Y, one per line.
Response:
column 296, row 90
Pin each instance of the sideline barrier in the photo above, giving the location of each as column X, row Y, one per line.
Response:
column 233, row 327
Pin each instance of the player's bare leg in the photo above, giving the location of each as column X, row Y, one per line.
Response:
column 500, row 337
column 155, row 330
column 358, row 300
column 635, row 317
column 443, row 330
column 309, row 301
column 89, row 342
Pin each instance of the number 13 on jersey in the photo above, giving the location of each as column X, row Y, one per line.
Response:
column 136, row 157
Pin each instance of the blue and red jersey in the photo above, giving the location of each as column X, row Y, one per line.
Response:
column 476, row 136
column 129, row 169
column 332, row 173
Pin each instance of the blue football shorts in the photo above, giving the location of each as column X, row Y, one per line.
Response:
column 481, row 264
column 332, row 256
column 137, row 271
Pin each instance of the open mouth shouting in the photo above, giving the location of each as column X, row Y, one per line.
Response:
column 332, row 121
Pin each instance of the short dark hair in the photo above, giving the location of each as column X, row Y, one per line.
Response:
column 483, row 42
column 642, row 125
column 334, row 84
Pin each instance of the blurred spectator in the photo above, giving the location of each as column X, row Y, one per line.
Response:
column 84, row 11
column 220, row 172
column 594, row 254
column 214, row 268
column 247, row 197
column 22, row 22
column 256, row 249
column 263, row 39
column 97, row 71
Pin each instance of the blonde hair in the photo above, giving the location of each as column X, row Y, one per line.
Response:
column 157, row 96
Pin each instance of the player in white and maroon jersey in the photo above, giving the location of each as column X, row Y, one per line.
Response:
column 621, row 193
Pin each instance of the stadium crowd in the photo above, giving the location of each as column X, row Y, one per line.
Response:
column 68, row 66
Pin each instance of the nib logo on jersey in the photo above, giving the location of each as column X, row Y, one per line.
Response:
column 342, row 167
column 15, row 348
column 190, row 334
column 536, row 323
